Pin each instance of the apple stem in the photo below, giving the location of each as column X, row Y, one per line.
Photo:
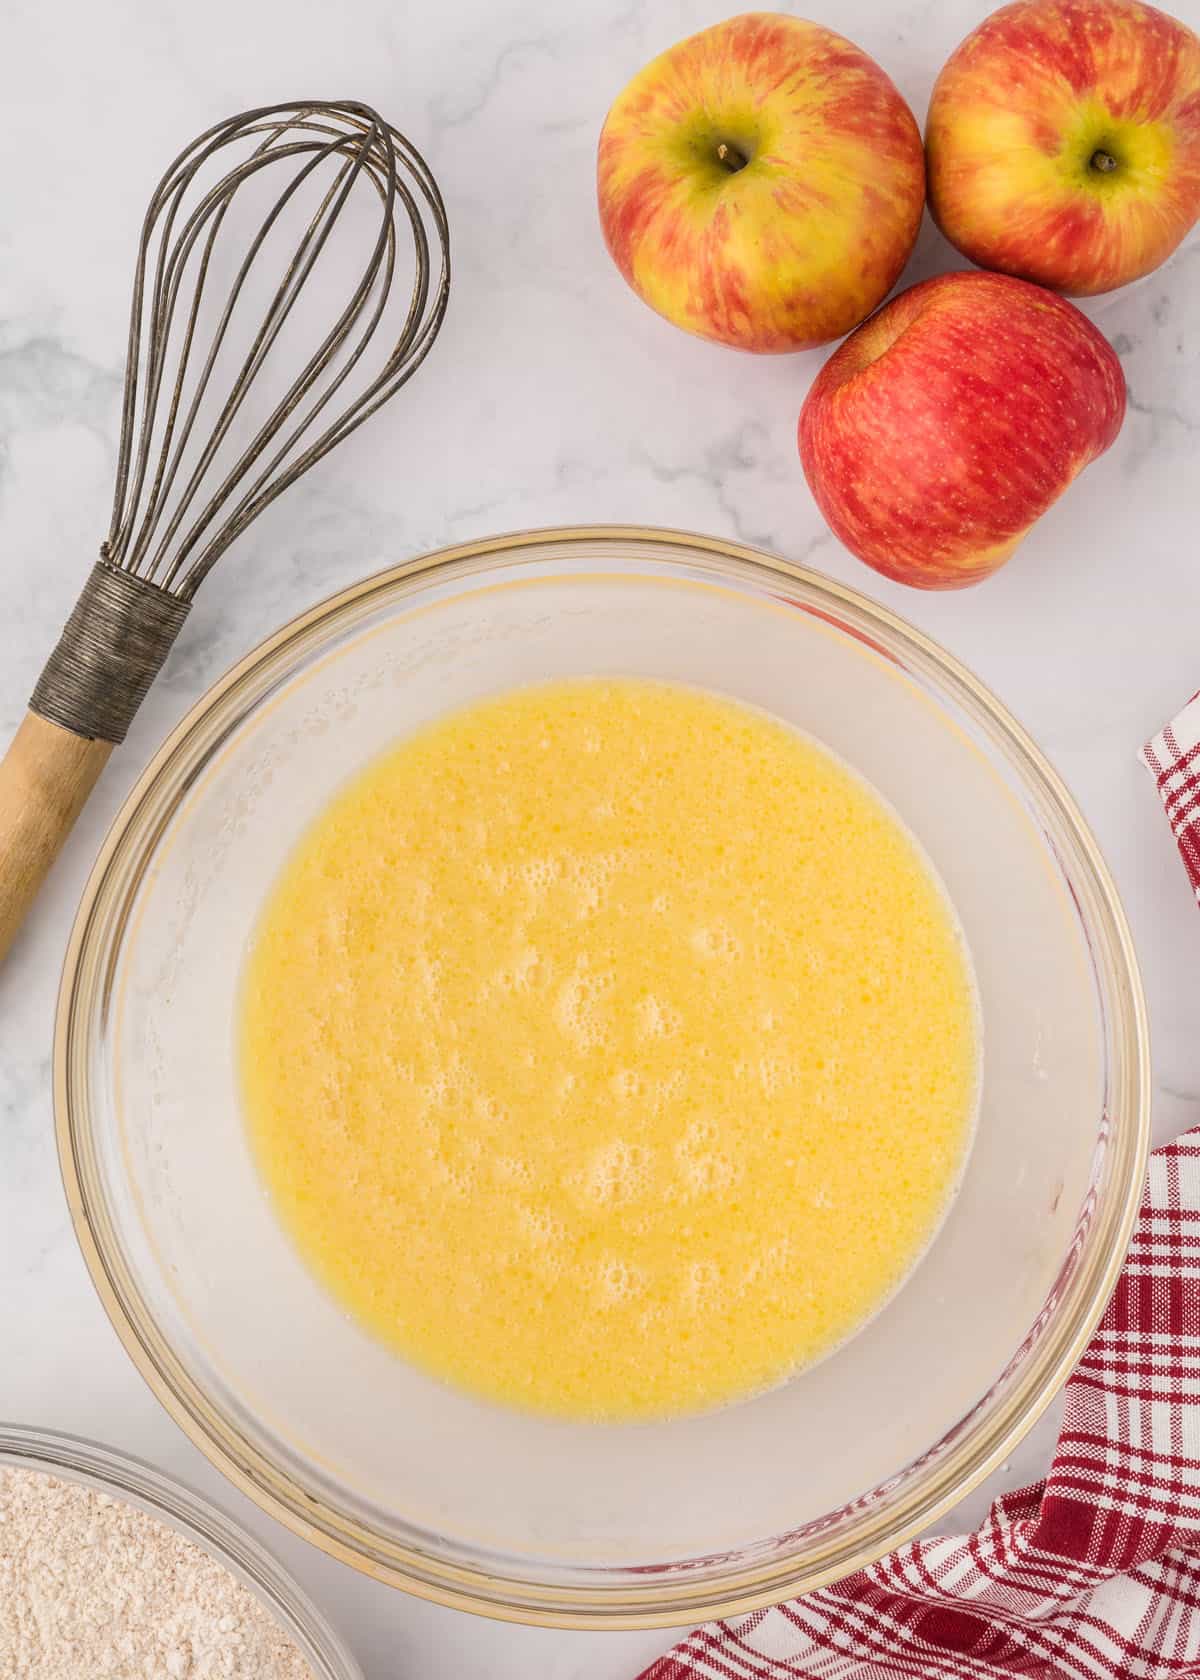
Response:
column 1103, row 162
column 731, row 157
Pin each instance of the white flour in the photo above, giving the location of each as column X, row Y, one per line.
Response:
column 93, row 1589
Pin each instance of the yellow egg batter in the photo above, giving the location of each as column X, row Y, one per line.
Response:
column 609, row 1049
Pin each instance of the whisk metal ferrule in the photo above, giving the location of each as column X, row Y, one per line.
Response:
column 111, row 649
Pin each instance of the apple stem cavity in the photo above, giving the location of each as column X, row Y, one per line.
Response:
column 1102, row 162
column 730, row 157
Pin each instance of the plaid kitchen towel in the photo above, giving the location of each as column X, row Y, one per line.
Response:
column 1093, row 1574
column 1173, row 759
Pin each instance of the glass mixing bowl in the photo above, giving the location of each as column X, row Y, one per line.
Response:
column 129, row 1480
column 535, row 1519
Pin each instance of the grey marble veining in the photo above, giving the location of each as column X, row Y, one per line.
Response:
column 552, row 397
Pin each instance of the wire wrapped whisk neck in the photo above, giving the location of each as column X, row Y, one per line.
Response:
column 192, row 470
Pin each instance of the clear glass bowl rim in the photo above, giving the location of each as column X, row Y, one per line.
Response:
column 76, row 1458
column 665, row 1598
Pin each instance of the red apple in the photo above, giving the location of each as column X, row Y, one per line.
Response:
column 761, row 183
column 1063, row 141
column 937, row 434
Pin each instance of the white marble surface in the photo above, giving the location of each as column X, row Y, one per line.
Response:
column 553, row 397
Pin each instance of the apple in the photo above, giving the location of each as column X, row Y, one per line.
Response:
column 761, row 183
column 942, row 429
column 1063, row 142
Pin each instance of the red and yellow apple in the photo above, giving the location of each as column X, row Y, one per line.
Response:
column 1063, row 141
column 942, row 429
column 761, row 183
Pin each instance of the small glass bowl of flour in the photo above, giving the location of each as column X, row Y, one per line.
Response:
column 109, row 1569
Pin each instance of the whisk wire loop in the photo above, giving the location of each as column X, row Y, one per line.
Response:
column 180, row 502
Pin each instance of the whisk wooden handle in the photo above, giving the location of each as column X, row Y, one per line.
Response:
column 45, row 779
column 112, row 646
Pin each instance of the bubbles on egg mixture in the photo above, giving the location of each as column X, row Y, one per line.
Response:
column 609, row 1050
column 612, row 1175
column 656, row 1018
column 716, row 943
column 579, row 1007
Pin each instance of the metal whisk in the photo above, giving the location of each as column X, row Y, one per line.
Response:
column 189, row 479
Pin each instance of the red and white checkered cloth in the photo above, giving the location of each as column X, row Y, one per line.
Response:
column 1173, row 759
column 1093, row 1574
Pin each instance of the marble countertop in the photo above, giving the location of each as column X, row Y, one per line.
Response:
column 553, row 397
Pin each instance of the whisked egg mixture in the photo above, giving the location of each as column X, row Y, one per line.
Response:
column 609, row 1049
